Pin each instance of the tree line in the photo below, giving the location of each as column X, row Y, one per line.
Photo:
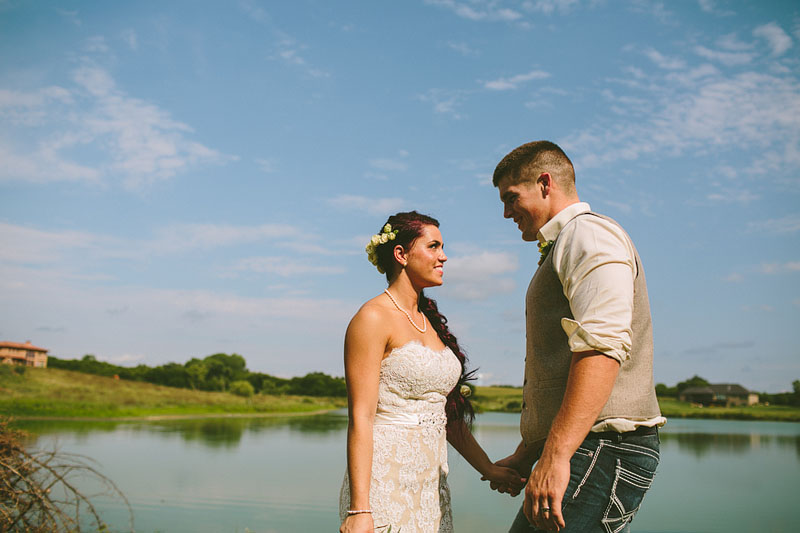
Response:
column 780, row 398
column 217, row 372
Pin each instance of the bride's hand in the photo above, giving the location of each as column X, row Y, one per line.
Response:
column 358, row 523
column 505, row 478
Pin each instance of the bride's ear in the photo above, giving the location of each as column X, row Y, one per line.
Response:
column 400, row 255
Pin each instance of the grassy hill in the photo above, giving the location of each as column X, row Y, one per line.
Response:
column 50, row 392
column 55, row 393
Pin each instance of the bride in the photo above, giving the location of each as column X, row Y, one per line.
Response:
column 406, row 393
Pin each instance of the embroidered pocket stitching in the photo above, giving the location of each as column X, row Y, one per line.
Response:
column 588, row 470
column 617, row 524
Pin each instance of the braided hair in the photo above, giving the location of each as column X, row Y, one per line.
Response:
column 409, row 226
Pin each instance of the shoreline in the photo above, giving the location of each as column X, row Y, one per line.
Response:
column 159, row 418
column 202, row 416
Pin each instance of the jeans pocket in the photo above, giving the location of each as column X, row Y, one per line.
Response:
column 633, row 475
column 581, row 467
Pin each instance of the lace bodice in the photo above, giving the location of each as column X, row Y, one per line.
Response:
column 408, row 483
column 417, row 379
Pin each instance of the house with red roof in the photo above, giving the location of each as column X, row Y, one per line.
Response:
column 15, row 353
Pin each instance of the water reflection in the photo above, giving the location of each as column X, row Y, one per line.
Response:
column 225, row 474
column 225, row 433
column 703, row 444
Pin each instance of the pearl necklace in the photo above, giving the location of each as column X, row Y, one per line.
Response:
column 422, row 329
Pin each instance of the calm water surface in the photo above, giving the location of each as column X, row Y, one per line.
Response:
column 283, row 475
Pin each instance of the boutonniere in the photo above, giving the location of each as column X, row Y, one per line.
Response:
column 544, row 249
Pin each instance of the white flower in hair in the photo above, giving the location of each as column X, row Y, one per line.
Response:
column 386, row 235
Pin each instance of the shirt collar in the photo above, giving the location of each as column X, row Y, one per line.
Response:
column 553, row 227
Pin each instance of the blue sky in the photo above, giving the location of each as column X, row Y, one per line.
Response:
column 184, row 178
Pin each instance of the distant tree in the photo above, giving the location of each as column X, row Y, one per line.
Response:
column 694, row 381
column 318, row 384
column 170, row 374
column 266, row 384
column 224, row 369
column 196, row 371
column 796, row 393
column 663, row 390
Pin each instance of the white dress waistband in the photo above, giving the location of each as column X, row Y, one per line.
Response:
column 408, row 419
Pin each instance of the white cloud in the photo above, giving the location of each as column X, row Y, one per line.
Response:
column 265, row 165
column 734, row 278
column 707, row 5
column 731, row 113
column 122, row 137
column 549, row 6
column 732, row 42
column 124, row 359
column 284, row 266
column 664, row 62
column 726, row 58
column 131, row 39
column 462, row 48
column 444, row 102
column 254, row 11
column 289, row 51
column 478, row 11
column 787, row 224
column 374, row 206
column 504, row 84
column 777, row 268
column 388, row 164
column 31, row 108
column 71, row 16
column 479, row 275
column 778, row 40
column 182, row 237
column 23, row 245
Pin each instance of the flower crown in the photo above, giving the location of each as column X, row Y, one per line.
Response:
column 386, row 235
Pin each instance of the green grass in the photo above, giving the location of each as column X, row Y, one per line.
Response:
column 509, row 400
column 55, row 393
column 50, row 392
column 497, row 399
column 672, row 408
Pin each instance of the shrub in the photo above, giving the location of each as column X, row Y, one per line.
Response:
column 242, row 388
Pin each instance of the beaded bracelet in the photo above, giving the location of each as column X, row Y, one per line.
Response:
column 359, row 511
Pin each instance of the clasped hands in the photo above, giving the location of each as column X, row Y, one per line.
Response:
column 544, row 487
column 508, row 476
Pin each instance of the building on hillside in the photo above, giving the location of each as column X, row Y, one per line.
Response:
column 15, row 353
column 723, row 394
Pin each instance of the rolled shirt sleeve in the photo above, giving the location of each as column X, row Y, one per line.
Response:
column 594, row 260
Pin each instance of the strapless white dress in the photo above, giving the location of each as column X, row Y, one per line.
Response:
column 408, row 487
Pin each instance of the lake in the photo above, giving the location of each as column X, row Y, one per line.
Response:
column 283, row 474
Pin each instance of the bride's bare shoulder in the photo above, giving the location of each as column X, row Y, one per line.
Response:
column 373, row 313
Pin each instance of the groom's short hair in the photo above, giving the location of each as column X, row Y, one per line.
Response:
column 527, row 162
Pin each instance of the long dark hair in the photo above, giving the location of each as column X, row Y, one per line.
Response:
column 409, row 226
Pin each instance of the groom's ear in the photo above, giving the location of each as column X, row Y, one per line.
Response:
column 545, row 183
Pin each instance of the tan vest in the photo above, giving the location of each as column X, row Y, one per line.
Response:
column 548, row 355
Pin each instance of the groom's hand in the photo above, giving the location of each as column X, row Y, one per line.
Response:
column 504, row 479
column 513, row 489
column 544, row 493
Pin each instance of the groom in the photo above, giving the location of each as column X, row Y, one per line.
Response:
column 589, row 412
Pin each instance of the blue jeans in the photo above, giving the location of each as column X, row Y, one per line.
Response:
column 609, row 475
